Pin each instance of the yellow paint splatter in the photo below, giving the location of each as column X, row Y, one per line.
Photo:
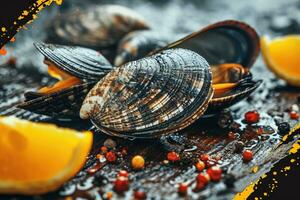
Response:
column 293, row 160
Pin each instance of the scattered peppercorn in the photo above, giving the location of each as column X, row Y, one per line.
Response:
column 204, row 157
column 225, row 119
column 283, row 128
column 215, row 173
column 247, row 155
column 108, row 195
column 111, row 157
column 173, row 156
column 239, row 146
column 121, row 184
column 124, row 151
column 252, row 117
column 103, row 149
column 139, row 195
column 294, row 115
column 182, row 189
column 123, row 173
column 203, row 178
column 200, row 166
column 137, row 162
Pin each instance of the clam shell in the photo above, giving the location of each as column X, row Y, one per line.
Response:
column 96, row 26
column 227, row 41
column 156, row 95
column 244, row 88
column 81, row 62
column 64, row 104
column 138, row 44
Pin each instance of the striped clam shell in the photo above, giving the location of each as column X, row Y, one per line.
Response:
column 138, row 44
column 156, row 95
column 80, row 62
column 64, row 104
column 96, row 26
column 227, row 41
column 83, row 63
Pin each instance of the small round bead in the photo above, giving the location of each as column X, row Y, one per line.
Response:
column 215, row 173
column 173, row 156
column 205, row 157
column 137, row 162
column 252, row 117
column 182, row 189
column 111, row 157
column 247, row 155
column 121, row 184
column 294, row 115
column 200, row 166
column 139, row 195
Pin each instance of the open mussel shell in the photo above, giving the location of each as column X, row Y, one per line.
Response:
column 243, row 89
column 155, row 95
column 64, row 104
column 80, row 62
column 96, row 26
column 223, row 42
column 138, row 44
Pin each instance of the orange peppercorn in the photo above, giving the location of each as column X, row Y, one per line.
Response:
column 294, row 115
column 247, row 155
column 137, row 162
column 200, row 166
column 173, row 156
column 103, row 149
column 205, row 157
column 215, row 173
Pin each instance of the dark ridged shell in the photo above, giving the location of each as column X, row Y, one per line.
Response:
column 152, row 96
column 81, row 62
column 223, row 42
column 138, row 44
column 96, row 26
column 64, row 104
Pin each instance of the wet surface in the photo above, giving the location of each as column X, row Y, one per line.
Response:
column 160, row 179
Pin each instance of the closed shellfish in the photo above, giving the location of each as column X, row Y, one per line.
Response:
column 77, row 69
column 138, row 44
column 96, row 27
column 156, row 95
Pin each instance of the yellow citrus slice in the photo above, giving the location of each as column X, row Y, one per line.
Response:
column 36, row 158
column 282, row 56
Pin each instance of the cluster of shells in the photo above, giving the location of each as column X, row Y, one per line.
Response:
column 154, row 86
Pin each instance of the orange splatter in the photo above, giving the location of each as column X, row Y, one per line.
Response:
column 13, row 39
column 3, row 51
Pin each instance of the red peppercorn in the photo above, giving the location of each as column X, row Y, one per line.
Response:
column 215, row 173
column 182, row 189
column 204, row 157
column 121, row 184
column 103, row 149
column 247, row 155
column 123, row 173
column 200, row 185
column 139, row 195
column 111, row 156
column 294, row 115
column 252, row 117
column 200, row 166
column 173, row 156
column 203, row 178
